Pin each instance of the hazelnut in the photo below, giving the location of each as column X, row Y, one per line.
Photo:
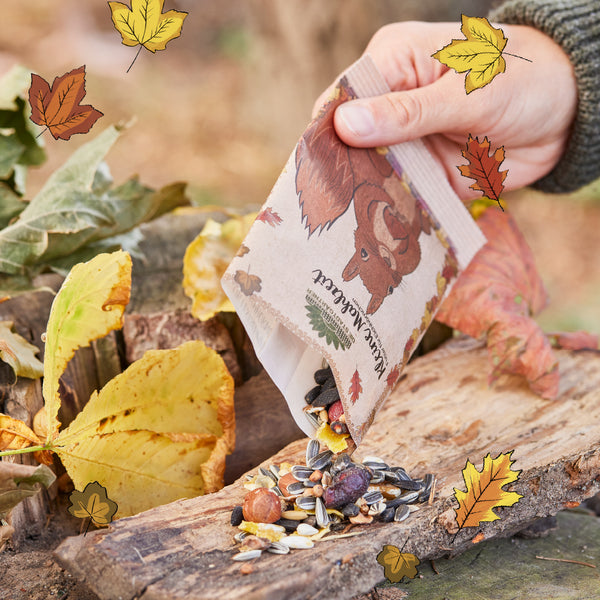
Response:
column 262, row 506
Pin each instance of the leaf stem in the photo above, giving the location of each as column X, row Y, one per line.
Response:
column 23, row 450
column 517, row 56
column 134, row 59
column 566, row 560
column 40, row 133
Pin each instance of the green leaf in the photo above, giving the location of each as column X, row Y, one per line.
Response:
column 10, row 152
column 10, row 205
column 12, row 85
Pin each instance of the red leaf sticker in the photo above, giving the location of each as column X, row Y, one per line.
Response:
column 355, row 387
column 58, row 107
column 483, row 168
column 393, row 376
column 268, row 215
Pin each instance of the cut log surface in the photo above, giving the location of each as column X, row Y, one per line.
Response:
column 440, row 415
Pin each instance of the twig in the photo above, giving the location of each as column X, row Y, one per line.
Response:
column 575, row 562
column 434, row 567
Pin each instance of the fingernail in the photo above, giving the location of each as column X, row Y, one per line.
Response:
column 357, row 118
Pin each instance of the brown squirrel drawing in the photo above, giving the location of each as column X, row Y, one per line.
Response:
column 329, row 175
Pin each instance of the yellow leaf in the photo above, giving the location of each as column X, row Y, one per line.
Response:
column 145, row 23
column 89, row 304
column 480, row 53
column 19, row 353
column 93, row 503
column 157, row 432
column 206, row 260
column 484, row 490
column 397, row 564
column 14, row 434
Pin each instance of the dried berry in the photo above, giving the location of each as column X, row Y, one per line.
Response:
column 347, row 486
column 335, row 411
column 262, row 506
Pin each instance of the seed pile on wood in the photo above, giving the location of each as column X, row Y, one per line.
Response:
column 292, row 506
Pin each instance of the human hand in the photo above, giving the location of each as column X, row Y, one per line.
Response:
column 529, row 109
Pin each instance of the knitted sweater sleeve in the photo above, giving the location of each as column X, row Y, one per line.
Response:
column 575, row 26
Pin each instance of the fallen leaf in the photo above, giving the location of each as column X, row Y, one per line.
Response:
column 269, row 216
column 58, row 107
column 89, row 304
column 157, row 432
column 484, row 490
column 355, row 387
column 19, row 353
column 206, row 260
column 93, row 503
column 480, row 53
column 575, row 340
column 397, row 564
column 483, row 168
column 15, row 435
column 248, row 283
column 495, row 297
column 145, row 24
column 18, row 482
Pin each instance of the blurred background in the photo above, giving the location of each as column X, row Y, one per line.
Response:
column 222, row 107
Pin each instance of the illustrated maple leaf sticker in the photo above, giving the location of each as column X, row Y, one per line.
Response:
column 93, row 503
column 268, row 215
column 355, row 387
column 484, row 490
column 481, row 53
column 58, row 107
column 483, row 168
column 397, row 564
column 248, row 283
column 145, row 24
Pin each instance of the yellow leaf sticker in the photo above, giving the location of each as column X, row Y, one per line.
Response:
column 157, row 432
column 89, row 304
column 93, row 503
column 206, row 260
column 480, row 54
column 397, row 564
column 145, row 24
column 484, row 490
column 19, row 353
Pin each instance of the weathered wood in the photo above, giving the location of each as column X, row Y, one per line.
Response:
column 441, row 414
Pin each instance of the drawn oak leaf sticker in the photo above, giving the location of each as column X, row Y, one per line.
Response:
column 93, row 503
column 355, row 387
column 397, row 564
column 484, row 490
column 248, row 283
column 484, row 168
column 268, row 215
column 393, row 376
column 58, row 107
column 480, row 54
column 145, row 24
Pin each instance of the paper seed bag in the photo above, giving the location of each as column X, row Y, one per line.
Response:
column 348, row 261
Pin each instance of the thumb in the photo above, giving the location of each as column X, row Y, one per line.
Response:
column 441, row 107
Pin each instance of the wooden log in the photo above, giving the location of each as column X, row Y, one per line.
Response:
column 440, row 415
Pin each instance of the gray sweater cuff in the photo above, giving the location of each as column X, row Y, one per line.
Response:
column 575, row 26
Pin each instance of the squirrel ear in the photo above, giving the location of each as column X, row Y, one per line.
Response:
column 374, row 304
column 351, row 269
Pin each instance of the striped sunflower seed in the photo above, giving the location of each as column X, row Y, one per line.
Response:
column 248, row 555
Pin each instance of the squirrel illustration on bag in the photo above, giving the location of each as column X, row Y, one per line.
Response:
column 330, row 175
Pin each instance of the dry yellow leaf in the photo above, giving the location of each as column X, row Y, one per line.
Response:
column 157, row 432
column 14, row 434
column 19, row 353
column 90, row 303
column 206, row 260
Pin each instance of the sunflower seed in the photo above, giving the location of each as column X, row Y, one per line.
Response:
column 278, row 548
column 373, row 497
column 295, row 488
column 342, row 462
column 306, row 502
column 289, row 524
column 240, row 535
column 401, row 473
column 387, row 515
column 248, row 555
column 267, row 473
column 374, row 459
column 275, row 470
column 401, row 513
column 312, row 419
column 301, row 473
column 296, row 541
column 350, row 510
column 305, row 529
column 321, row 460
column 376, row 509
column 378, row 476
column 376, row 465
column 405, row 498
column 276, row 490
column 312, row 449
column 321, row 513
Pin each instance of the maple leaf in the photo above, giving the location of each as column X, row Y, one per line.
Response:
column 93, row 503
column 397, row 564
column 145, row 24
column 248, row 283
column 268, row 215
column 481, row 53
column 355, row 387
column 58, row 107
column 483, row 168
column 495, row 297
column 484, row 490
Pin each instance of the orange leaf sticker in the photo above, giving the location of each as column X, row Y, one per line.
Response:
column 393, row 376
column 483, row 168
column 355, row 387
column 397, row 564
column 248, row 283
column 484, row 490
column 58, row 107
column 269, row 216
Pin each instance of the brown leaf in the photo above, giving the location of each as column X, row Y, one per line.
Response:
column 495, row 297
column 58, row 107
column 483, row 168
column 248, row 283
column 15, row 435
